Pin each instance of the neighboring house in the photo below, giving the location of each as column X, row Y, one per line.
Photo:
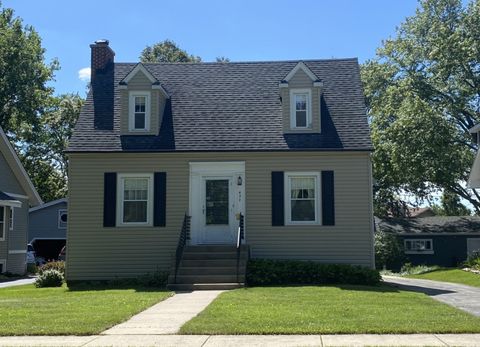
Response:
column 474, row 178
column 17, row 194
column 285, row 144
column 420, row 212
column 47, row 230
column 444, row 241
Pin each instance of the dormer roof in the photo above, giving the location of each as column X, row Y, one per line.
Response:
column 141, row 68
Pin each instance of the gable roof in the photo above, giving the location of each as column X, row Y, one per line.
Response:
column 48, row 204
column 301, row 66
column 228, row 107
column 437, row 225
column 18, row 170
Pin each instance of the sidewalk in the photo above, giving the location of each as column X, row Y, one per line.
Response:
column 19, row 282
column 167, row 316
column 244, row 340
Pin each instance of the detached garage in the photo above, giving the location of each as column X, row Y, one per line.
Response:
column 48, row 228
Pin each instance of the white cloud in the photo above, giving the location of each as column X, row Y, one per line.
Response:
column 84, row 74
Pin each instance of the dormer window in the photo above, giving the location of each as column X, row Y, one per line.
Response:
column 301, row 108
column 139, row 111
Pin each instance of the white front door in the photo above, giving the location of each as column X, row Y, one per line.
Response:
column 216, row 199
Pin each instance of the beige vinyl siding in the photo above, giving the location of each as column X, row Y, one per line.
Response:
column 301, row 81
column 94, row 252
column 8, row 181
column 141, row 83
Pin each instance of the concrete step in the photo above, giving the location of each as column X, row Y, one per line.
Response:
column 189, row 279
column 205, row 286
column 213, row 262
column 204, row 270
column 213, row 255
column 215, row 248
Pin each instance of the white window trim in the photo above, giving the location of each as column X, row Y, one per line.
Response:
column 131, row 110
column 11, row 219
column 120, row 195
column 293, row 118
column 4, row 263
column 5, row 223
column 427, row 251
column 288, row 201
column 60, row 212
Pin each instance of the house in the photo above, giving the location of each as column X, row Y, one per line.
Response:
column 276, row 153
column 474, row 178
column 17, row 194
column 439, row 240
column 420, row 212
column 47, row 230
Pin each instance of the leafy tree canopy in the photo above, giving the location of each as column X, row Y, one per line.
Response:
column 451, row 206
column 167, row 51
column 422, row 93
column 23, row 77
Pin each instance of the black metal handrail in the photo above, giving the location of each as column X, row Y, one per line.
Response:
column 240, row 237
column 182, row 241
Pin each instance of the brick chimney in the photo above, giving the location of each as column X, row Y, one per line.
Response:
column 102, row 58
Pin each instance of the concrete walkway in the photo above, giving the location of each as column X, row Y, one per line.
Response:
column 464, row 297
column 20, row 282
column 244, row 340
column 167, row 316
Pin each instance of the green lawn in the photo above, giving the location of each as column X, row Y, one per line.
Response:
column 26, row 310
column 451, row 275
column 328, row 310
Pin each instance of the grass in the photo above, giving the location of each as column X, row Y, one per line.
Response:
column 451, row 275
column 328, row 310
column 26, row 310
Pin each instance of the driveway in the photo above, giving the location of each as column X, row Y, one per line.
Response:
column 463, row 297
column 20, row 282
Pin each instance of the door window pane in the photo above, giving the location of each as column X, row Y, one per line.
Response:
column 216, row 202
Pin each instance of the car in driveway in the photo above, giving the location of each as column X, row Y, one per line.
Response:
column 30, row 254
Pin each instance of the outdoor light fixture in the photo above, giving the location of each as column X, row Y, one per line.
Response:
column 239, row 180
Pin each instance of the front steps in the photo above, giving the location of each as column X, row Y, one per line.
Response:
column 210, row 267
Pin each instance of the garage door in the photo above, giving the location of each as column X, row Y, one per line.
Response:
column 473, row 245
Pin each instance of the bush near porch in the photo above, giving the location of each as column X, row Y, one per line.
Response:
column 265, row 272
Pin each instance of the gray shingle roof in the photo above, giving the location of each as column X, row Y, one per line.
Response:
column 228, row 107
column 437, row 224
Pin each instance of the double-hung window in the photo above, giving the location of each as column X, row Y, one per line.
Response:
column 139, row 112
column 417, row 246
column 135, row 199
column 302, row 198
column 301, row 109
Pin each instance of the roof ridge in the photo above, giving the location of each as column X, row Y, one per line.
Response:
column 353, row 59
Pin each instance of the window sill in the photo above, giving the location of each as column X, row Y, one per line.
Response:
column 419, row 252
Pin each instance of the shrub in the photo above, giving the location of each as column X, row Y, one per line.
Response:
column 281, row 272
column 409, row 269
column 49, row 278
column 473, row 260
column 32, row 268
column 53, row 265
column 389, row 252
column 157, row 279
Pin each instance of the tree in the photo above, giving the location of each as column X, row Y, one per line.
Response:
column 23, row 77
column 167, row 51
column 45, row 159
column 422, row 92
column 389, row 252
column 451, row 206
column 222, row 59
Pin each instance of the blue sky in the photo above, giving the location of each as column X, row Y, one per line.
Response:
column 240, row 30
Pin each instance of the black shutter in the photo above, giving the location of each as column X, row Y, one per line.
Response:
column 159, row 199
column 109, row 199
column 328, row 198
column 278, row 197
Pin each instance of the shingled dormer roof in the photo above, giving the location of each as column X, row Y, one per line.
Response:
column 231, row 107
